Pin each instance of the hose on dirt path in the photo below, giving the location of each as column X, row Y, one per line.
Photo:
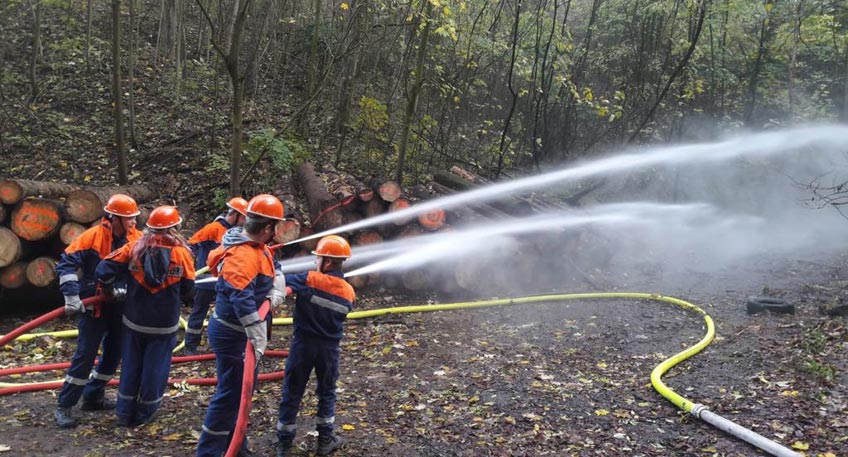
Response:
column 697, row 410
column 11, row 388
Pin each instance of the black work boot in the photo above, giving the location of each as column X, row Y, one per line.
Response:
column 328, row 443
column 64, row 418
column 283, row 448
column 101, row 404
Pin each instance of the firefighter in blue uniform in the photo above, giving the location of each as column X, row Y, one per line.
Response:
column 323, row 301
column 101, row 326
column 201, row 243
column 161, row 277
column 246, row 276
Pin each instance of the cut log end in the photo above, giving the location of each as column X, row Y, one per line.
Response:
column 367, row 237
column 399, row 205
column 13, row 276
column 389, row 191
column 70, row 231
column 289, row 231
column 432, row 220
column 36, row 218
column 41, row 271
column 10, row 247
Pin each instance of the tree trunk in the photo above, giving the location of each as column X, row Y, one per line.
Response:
column 314, row 58
column 237, row 119
column 86, row 205
column 37, row 218
column 10, row 247
column 754, row 77
column 514, row 99
column 323, row 208
column 88, row 36
column 120, row 152
column 41, row 271
column 413, row 95
column 131, row 72
column 36, row 50
column 13, row 276
column 14, row 190
column 702, row 6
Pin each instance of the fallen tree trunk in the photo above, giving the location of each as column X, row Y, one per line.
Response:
column 37, row 218
column 13, row 276
column 14, row 190
column 41, row 271
column 10, row 247
column 86, row 205
column 324, row 210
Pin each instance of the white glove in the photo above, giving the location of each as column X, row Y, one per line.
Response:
column 277, row 295
column 258, row 335
column 73, row 305
column 119, row 294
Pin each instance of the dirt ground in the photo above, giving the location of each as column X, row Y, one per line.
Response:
column 567, row 378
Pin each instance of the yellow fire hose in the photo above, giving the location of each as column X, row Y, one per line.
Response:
column 697, row 410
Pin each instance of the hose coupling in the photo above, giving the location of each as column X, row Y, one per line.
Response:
column 697, row 409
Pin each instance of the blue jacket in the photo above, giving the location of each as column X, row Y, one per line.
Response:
column 245, row 271
column 322, row 304
column 76, row 267
column 159, row 280
column 203, row 242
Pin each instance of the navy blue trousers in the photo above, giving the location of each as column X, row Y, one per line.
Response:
column 199, row 309
column 93, row 331
column 220, row 422
column 144, row 375
column 305, row 354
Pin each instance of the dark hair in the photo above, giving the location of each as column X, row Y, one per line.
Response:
column 254, row 224
column 333, row 263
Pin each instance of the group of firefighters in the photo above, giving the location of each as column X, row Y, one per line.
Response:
column 144, row 277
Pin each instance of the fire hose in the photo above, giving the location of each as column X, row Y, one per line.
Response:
column 696, row 409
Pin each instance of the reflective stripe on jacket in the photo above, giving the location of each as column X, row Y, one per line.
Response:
column 153, row 297
column 77, row 265
column 322, row 304
column 245, row 272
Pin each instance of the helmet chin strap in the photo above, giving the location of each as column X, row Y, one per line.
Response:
column 320, row 261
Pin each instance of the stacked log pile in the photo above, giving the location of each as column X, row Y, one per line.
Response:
column 38, row 220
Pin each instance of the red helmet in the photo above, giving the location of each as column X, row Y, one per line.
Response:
column 266, row 205
column 333, row 246
column 238, row 204
column 121, row 205
column 164, row 217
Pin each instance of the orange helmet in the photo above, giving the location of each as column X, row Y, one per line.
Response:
column 238, row 204
column 333, row 246
column 121, row 205
column 164, row 217
column 266, row 205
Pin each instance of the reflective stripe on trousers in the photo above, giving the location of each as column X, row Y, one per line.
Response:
column 305, row 354
column 92, row 332
column 220, row 420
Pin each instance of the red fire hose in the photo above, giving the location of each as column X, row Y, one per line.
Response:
column 246, row 390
